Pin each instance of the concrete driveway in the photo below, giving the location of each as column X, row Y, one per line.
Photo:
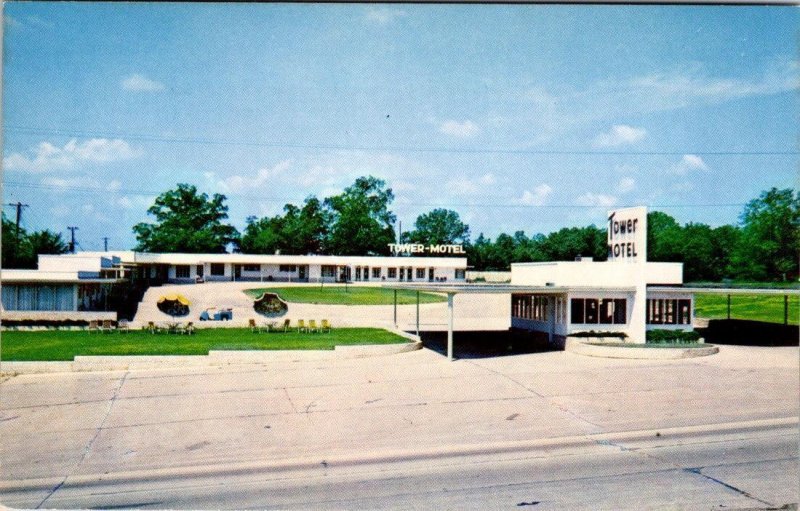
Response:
column 404, row 431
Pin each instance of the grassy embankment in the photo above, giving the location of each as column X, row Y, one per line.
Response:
column 47, row 345
column 346, row 295
column 767, row 308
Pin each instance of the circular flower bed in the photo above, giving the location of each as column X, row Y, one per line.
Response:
column 270, row 305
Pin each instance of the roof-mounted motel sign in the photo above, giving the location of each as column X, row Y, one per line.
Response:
column 418, row 248
column 627, row 234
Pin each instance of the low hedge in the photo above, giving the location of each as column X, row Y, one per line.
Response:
column 671, row 336
column 50, row 323
column 592, row 333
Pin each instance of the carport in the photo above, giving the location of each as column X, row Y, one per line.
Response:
column 452, row 289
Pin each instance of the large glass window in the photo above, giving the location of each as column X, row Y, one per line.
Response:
column 182, row 271
column 328, row 271
column 460, row 274
column 287, row 268
column 251, row 267
column 217, row 269
column 392, row 273
column 376, row 273
column 669, row 311
column 602, row 311
column 420, row 273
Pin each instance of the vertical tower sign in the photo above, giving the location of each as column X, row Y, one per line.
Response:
column 627, row 234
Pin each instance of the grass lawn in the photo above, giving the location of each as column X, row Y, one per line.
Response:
column 346, row 295
column 64, row 345
column 758, row 308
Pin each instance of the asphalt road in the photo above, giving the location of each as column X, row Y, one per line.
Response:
column 537, row 431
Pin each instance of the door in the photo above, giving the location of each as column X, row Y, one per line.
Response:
column 237, row 271
column 430, row 274
column 301, row 272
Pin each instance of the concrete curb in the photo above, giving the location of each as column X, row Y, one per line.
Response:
column 214, row 358
column 593, row 350
column 570, row 443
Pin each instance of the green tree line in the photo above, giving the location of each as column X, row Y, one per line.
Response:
column 762, row 246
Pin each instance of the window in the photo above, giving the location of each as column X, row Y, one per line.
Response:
column 182, row 271
column 328, row 271
column 217, row 269
column 577, row 305
column 603, row 311
column 461, row 274
column 420, row 273
column 667, row 311
column 287, row 268
column 251, row 267
column 376, row 273
column 591, row 311
column 392, row 273
column 530, row 307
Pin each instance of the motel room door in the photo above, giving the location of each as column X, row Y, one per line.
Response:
column 237, row 271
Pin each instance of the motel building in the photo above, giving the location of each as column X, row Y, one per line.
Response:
column 625, row 294
column 78, row 286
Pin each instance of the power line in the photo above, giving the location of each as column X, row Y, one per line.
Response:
column 339, row 147
column 423, row 204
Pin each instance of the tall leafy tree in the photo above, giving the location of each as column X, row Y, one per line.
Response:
column 439, row 227
column 770, row 237
column 664, row 238
column 186, row 221
column 21, row 249
column 361, row 222
column 297, row 231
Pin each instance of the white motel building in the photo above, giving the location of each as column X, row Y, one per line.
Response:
column 82, row 282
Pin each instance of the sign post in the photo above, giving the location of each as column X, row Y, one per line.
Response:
column 627, row 244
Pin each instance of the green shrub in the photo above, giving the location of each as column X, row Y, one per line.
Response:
column 592, row 333
column 671, row 336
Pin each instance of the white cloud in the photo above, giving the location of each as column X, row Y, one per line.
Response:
column 124, row 203
column 114, row 185
column 620, row 134
column 384, row 15
column 237, row 182
column 46, row 156
column 688, row 163
column 140, row 83
column 626, row 184
column 470, row 186
column 537, row 197
column 596, row 200
column 464, row 129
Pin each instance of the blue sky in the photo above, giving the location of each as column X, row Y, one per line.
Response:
column 518, row 117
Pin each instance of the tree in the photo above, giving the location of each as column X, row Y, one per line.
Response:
column 570, row 242
column 21, row 249
column 439, row 227
column 186, row 221
column 768, row 246
column 697, row 248
column 664, row 238
column 361, row 222
column 298, row 231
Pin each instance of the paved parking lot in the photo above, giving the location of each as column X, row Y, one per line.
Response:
column 61, row 432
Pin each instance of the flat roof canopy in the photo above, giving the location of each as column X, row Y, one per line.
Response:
column 438, row 287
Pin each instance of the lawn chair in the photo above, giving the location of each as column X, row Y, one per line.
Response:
column 301, row 326
column 94, row 326
column 108, row 326
column 312, row 326
column 286, row 324
column 151, row 327
column 189, row 328
column 325, row 326
column 123, row 326
column 251, row 323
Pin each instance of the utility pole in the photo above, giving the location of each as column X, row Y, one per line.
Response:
column 105, row 243
column 72, row 242
column 19, row 207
